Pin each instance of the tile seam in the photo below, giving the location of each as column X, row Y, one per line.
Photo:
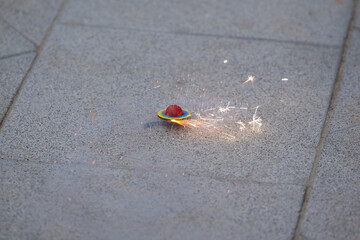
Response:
column 234, row 182
column 344, row 129
column 325, row 128
column 17, row 54
column 209, row 35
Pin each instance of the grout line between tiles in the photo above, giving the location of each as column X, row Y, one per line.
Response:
column 223, row 180
column 74, row 24
column 17, row 54
column 344, row 129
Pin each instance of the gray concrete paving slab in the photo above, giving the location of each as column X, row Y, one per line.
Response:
column 12, row 72
column 321, row 22
column 84, row 156
column 31, row 17
column 357, row 20
column 333, row 210
column 94, row 93
column 61, row 201
column 11, row 42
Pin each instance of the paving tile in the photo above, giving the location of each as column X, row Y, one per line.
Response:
column 347, row 108
column 12, row 72
column 91, row 97
column 357, row 20
column 61, row 201
column 322, row 22
column 31, row 17
column 333, row 210
column 11, row 42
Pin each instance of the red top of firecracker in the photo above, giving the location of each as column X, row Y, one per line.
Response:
column 174, row 111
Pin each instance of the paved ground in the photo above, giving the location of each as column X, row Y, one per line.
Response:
column 273, row 87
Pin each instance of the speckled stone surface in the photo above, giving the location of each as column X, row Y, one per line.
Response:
column 321, row 22
column 333, row 210
column 12, row 72
column 61, row 201
column 90, row 97
column 11, row 42
column 31, row 17
column 83, row 154
column 347, row 108
column 357, row 20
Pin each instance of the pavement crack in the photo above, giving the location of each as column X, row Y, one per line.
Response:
column 325, row 129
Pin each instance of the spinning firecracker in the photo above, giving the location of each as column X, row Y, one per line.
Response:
column 173, row 112
column 217, row 121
